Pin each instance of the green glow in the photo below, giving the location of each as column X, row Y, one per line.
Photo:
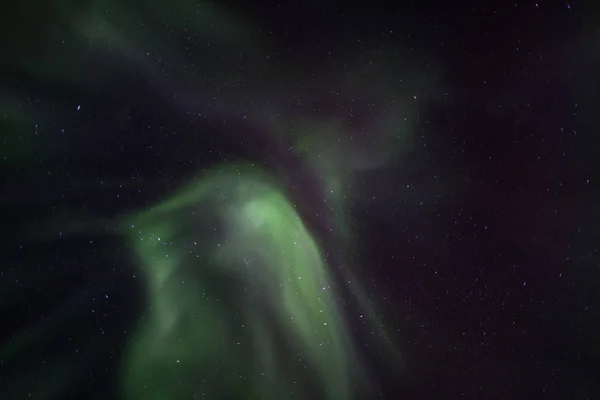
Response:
column 249, row 312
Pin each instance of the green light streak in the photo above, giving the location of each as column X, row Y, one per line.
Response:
column 250, row 314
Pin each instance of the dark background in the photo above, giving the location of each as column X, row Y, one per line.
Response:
column 481, row 242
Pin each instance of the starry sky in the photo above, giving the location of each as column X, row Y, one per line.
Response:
column 303, row 200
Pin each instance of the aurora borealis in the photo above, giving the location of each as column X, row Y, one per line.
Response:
column 280, row 290
column 303, row 200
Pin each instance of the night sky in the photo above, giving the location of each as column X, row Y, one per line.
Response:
column 299, row 200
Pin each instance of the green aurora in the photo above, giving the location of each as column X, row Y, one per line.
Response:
column 251, row 313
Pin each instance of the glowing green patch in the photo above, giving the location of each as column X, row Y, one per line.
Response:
column 215, row 303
